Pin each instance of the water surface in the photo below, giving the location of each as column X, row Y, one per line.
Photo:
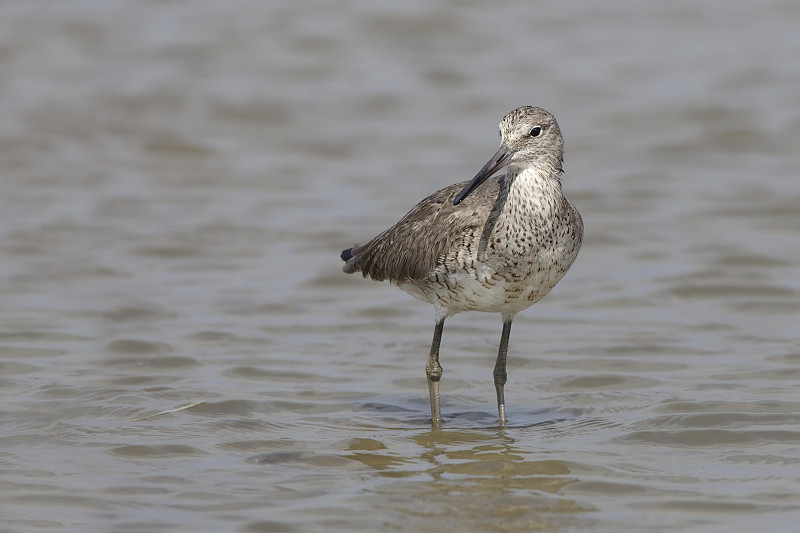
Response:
column 181, row 352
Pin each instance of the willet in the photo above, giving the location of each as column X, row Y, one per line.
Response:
column 495, row 245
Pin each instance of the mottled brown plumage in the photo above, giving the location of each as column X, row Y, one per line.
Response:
column 491, row 244
column 423, row 238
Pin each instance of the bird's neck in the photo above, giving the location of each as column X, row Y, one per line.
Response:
column 530, row 187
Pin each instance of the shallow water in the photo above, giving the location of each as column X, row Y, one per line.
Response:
column 181, row 352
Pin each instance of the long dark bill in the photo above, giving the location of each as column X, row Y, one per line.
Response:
column 498, row 161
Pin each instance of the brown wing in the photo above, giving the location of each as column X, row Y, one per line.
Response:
column 425, row 236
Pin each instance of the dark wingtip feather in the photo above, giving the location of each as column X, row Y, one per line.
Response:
column 350, row 258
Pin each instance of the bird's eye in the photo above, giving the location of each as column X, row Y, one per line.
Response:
column 535, row 131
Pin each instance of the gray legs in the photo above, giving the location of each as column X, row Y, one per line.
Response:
column 500, row 375
column 434, row 372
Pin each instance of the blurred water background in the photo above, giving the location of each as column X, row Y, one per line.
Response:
column 178, row 178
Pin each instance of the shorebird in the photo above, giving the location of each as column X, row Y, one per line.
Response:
column 493, row 244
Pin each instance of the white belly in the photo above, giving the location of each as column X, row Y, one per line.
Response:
column 453, row 293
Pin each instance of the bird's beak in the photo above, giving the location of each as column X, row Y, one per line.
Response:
column 498, row 161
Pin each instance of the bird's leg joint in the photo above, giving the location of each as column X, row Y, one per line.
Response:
column 433, row 370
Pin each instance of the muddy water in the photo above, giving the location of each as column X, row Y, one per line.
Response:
column 179, row 350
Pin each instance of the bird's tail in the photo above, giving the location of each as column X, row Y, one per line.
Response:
column 351, row 259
